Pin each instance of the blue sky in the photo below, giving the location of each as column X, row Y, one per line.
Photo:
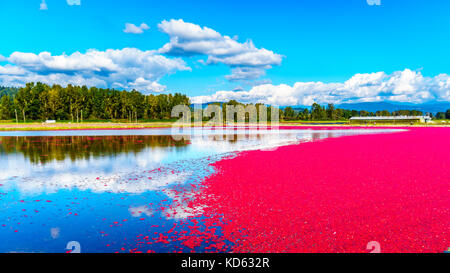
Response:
column 310, row 41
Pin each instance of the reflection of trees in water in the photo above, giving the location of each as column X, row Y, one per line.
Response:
column 234, row 138
column 321, row 135
column 46, row 149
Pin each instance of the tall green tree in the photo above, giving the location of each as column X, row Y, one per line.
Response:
column 289, row 113
column 440, row 115
column 318, row 112
column 331, row 112
column 6, row 108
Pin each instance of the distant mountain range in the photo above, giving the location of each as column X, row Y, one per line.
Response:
column 431, row 107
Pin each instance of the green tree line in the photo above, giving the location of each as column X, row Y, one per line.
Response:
column 330, row 112
column 76, row 103
column 443, row 115
column 259, row 107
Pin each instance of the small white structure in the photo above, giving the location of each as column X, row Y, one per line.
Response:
column 422, row 119
column 50, row 121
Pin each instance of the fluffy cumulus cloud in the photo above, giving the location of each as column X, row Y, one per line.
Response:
column 131, row 68
column 127, row 68
column 74, row 2
column 245, row 73
column 401, row 86
column 246, row 60
column 43, row 5
column 132, row 28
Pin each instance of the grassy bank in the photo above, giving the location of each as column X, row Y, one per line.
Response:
column 315, row 121
column 65, row 125
column 97, row 124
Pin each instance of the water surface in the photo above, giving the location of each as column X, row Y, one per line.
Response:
column 105, row 188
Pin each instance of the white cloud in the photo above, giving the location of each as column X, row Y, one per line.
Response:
column 187, row 31
column 116, row 183
column 54, row 232
column 43, row 5
column 401, row 86
column 247, row 61
column 245, row 73
column 127, row 68
column 131, row 68
column 74, row 2
column 11, row 70
column 132, row 28
column 138, row 211
column 143, row 84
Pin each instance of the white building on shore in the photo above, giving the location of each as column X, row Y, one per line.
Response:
column 391, row 119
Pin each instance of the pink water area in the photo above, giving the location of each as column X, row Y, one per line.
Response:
column 337, row 195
